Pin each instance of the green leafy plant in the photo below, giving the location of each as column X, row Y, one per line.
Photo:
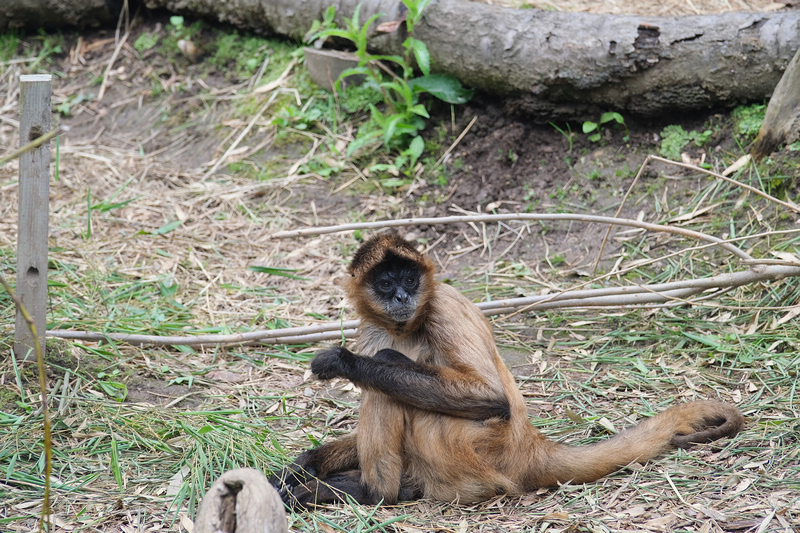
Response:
column 595, row 129
column 398, row 124
column 9, row 43
column 748, row 119
column 65, row 107
column 111, row 386
column 145, row 42
column 317, row 27
column 674, row 138
column 177, row 27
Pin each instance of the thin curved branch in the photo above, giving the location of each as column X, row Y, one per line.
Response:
column 609, row 297
column 264, row 336
column 514, row 216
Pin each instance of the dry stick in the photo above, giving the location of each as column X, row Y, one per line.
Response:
column 619, row 210
column 31, row 145
column 455, row 143
column 241, row 136
column 236, row 338
column 588, row 298
column 514, row 216
column 617, row 273
column 48, row 446
column 102, row 90
column 636, row 294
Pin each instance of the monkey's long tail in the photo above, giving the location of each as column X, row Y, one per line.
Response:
column 678, row 427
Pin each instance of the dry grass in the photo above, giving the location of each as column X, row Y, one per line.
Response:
column 169, row 252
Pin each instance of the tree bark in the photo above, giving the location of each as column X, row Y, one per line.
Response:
column 35, row 14
column 782, row 119
column 241, row 501
column 550, row 63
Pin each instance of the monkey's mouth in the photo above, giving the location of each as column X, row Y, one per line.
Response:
column 402, row 314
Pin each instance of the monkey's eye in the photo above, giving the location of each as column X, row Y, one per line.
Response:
column 385, row 285
column 410, row 282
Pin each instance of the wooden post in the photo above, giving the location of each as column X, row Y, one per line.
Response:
column 34, row 209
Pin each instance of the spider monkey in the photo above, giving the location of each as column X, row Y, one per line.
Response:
column 441, row 416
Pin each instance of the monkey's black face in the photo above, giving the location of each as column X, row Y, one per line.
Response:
column 396, row 285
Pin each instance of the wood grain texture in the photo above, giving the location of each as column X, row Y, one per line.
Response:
column 34, row 193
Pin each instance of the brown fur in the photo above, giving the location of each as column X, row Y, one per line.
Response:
column 400, row 447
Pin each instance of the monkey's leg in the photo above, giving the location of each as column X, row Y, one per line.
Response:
column 339, row 488
column 332, row 457
column 381, row 426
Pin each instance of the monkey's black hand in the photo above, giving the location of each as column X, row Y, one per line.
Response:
column 333, row 363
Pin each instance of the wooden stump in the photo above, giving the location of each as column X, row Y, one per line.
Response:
column 782, row 120
column 241, row 501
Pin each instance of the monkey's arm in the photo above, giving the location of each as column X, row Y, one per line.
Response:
column 438, row 389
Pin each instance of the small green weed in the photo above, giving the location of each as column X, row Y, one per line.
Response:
column 595, row 129
column 51, row 44
column 145, row 41
column 568, row 135
column 9, row 44
column 674, row 138
column 748, row 119
column 305, row 117
column 176, row 31
column 111, row 385
column 65, row 107
column 241, row 56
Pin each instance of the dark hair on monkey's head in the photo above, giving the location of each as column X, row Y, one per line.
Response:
column 386, row 246
column 388, row 251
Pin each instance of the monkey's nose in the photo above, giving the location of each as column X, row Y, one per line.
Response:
column 401, row 297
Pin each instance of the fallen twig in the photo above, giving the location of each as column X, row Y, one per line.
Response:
column 220, row 160
column 634, row 295
column 455, row 143
column 104, row 83
column 36, row 143
column 513, row 216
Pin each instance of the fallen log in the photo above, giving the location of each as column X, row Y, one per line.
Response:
column 555, row 64
column 35, row 14
column 241, row 501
